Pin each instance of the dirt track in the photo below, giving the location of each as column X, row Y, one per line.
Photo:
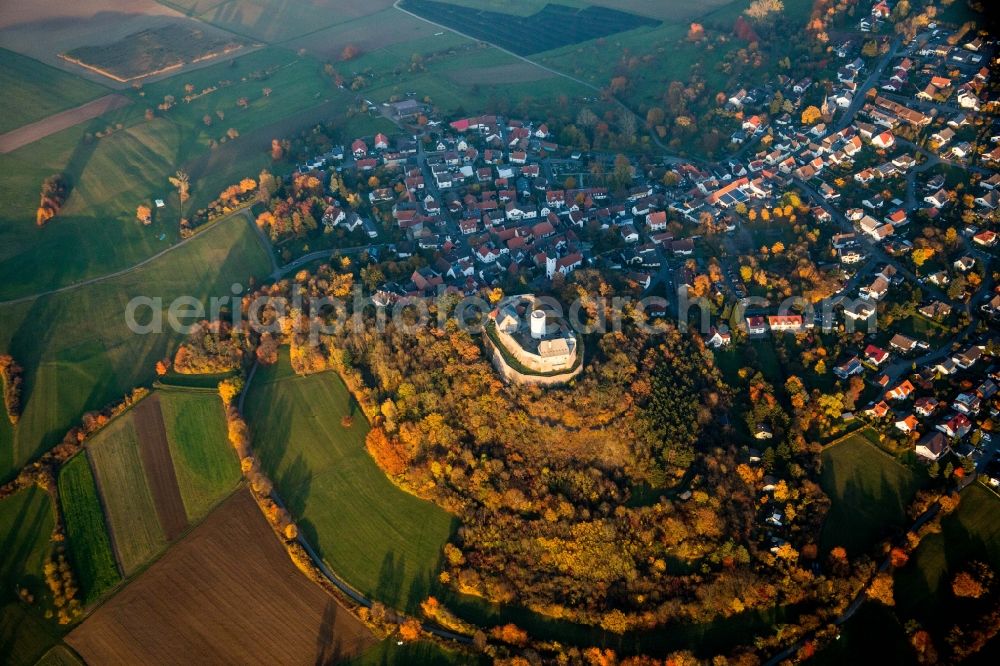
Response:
column 226, row 594
column 159, row 467
column 57, row 122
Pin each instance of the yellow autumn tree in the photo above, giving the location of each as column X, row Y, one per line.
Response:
column 810, row 115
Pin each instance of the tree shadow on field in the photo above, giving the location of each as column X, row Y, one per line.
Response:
column 294, row 484
column 389, row 588
column 329, row 649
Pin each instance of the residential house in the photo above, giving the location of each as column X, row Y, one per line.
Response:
column 908, row 424
column 956, row 427
column 756, row 325
column 901, row 392
column 932, row 446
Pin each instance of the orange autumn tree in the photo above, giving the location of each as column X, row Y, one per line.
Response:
column 387, row 452
column 54, row 193
column 409, row 630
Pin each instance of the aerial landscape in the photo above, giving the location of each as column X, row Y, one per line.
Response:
column 517, row 332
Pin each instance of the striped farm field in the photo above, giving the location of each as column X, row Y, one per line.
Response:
column 128, row 500
column 207, row 467
column 86, row 530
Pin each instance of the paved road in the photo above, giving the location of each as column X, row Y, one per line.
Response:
column 861, row 93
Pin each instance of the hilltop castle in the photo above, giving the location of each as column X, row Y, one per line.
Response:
column 531, row 343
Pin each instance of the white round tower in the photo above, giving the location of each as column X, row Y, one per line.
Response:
column 538, row 324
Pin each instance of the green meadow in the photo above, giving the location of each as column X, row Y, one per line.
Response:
column 26, row 523
column 33, row 90
column 206, row 466
column 77, row 350
column 381, row 540
column 868, row 490
column 86, row 530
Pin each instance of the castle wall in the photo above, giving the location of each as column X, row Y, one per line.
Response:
column 509, row 374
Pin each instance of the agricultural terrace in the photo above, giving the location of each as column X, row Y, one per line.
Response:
column 551, row 27
column 86, row 530
column 225, row 593
column 33, row 91
column 26, row 523
column 77, row 350
column 869, row 492
column 971, row 533
column 381, row 540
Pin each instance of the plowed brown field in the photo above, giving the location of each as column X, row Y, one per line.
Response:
column 225, row 594
column 159, row 467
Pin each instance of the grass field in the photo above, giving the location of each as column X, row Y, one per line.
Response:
column 425, row 653
column 77, row 350
column 96, row 232
column 381, row 540
column 227, row 593
column 279, row 20
column 677, row 11
column 206, row 466
column 121, row 481
column 923, row 587
column 86, row 531
column 26, row 523
column 869, row 492
column 33, row 90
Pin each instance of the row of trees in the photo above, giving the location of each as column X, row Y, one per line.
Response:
column 11, row 375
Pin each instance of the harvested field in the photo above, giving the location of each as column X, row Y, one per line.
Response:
column 278, row 20
column 153, row 51
column 136, row 533
column 57, row 122
column 43, row 29
column 227, row 593
column 159, row 467
column 383, row 30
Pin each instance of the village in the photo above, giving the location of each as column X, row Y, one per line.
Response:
column 889, row 171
